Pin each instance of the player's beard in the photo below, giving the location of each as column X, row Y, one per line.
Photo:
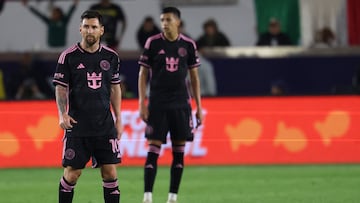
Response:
column 90, row 40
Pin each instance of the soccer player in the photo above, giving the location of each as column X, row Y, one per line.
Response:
column 169, row 56
column 86, row 83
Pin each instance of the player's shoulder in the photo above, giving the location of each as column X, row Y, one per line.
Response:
column 187, row 40
column 107, row 50
column 67, row 52
column 153, row 39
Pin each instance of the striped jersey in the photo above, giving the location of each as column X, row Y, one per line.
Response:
column 89, row 77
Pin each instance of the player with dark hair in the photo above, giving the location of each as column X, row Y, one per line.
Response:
column 86, row 83
column 170, row 56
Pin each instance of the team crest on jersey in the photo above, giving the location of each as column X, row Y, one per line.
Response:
column 182, row 52
column 94, row 80
column 105, row 65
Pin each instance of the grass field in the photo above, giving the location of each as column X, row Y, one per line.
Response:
column 240, row 184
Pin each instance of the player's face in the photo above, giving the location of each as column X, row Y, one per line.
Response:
column 91, row 31
column 169, row 23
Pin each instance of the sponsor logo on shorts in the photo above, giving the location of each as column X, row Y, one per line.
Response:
column 149, row 130
column 69, row 154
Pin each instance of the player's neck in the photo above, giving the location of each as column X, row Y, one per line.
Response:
column 171, row 36
column 91, row 49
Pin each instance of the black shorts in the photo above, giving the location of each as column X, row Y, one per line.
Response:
column 176, row 121
column 77, row 151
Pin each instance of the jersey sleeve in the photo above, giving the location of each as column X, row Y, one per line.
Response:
column 193, row 60
column 62, row 72
column 115, row 79
column 145, row 58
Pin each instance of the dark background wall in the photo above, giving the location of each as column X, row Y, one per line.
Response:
column 303, row 75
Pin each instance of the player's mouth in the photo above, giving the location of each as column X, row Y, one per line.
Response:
column 90, row 38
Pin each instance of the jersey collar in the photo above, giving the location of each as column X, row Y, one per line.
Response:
column 84, row 51
column 164, row 38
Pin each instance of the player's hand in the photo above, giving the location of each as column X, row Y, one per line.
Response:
column 66, row 121
column 119, row 128
column 199, row 117
column 144, row 113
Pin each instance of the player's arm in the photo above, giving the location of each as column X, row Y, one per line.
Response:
column 195, row 86
column 115, row 100
column 62, row 101
column 36, row 12
column 142, row 82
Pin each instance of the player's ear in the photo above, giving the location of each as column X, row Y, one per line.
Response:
column 102, row 30
column 178, row 22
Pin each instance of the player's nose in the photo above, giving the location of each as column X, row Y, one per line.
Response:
column 90, row 30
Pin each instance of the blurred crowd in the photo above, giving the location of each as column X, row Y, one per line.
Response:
column 33, row 83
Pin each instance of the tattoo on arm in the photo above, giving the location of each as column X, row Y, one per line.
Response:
column 61, row 94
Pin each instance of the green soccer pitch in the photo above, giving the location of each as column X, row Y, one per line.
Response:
column 200, row 184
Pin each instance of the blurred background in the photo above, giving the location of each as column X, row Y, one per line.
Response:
column 251, row 47
column 280, row 86
column 280, row 76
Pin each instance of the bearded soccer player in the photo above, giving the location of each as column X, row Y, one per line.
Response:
column 86, row 85
column 170, row 56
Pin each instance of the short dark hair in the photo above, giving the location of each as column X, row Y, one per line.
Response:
column 172, row 10
column 92, row 14
column 210, row 23
column 149, row 19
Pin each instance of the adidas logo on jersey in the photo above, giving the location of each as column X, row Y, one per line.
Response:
column 161, row 51
column 80, row 66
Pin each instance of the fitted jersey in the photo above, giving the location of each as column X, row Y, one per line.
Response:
column 169, row 62
column 88, row 77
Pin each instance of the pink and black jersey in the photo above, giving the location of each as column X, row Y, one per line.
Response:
column 169, row 62
column 89, row 77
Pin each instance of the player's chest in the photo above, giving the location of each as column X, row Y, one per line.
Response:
column 90, row 68
column 170, row 57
